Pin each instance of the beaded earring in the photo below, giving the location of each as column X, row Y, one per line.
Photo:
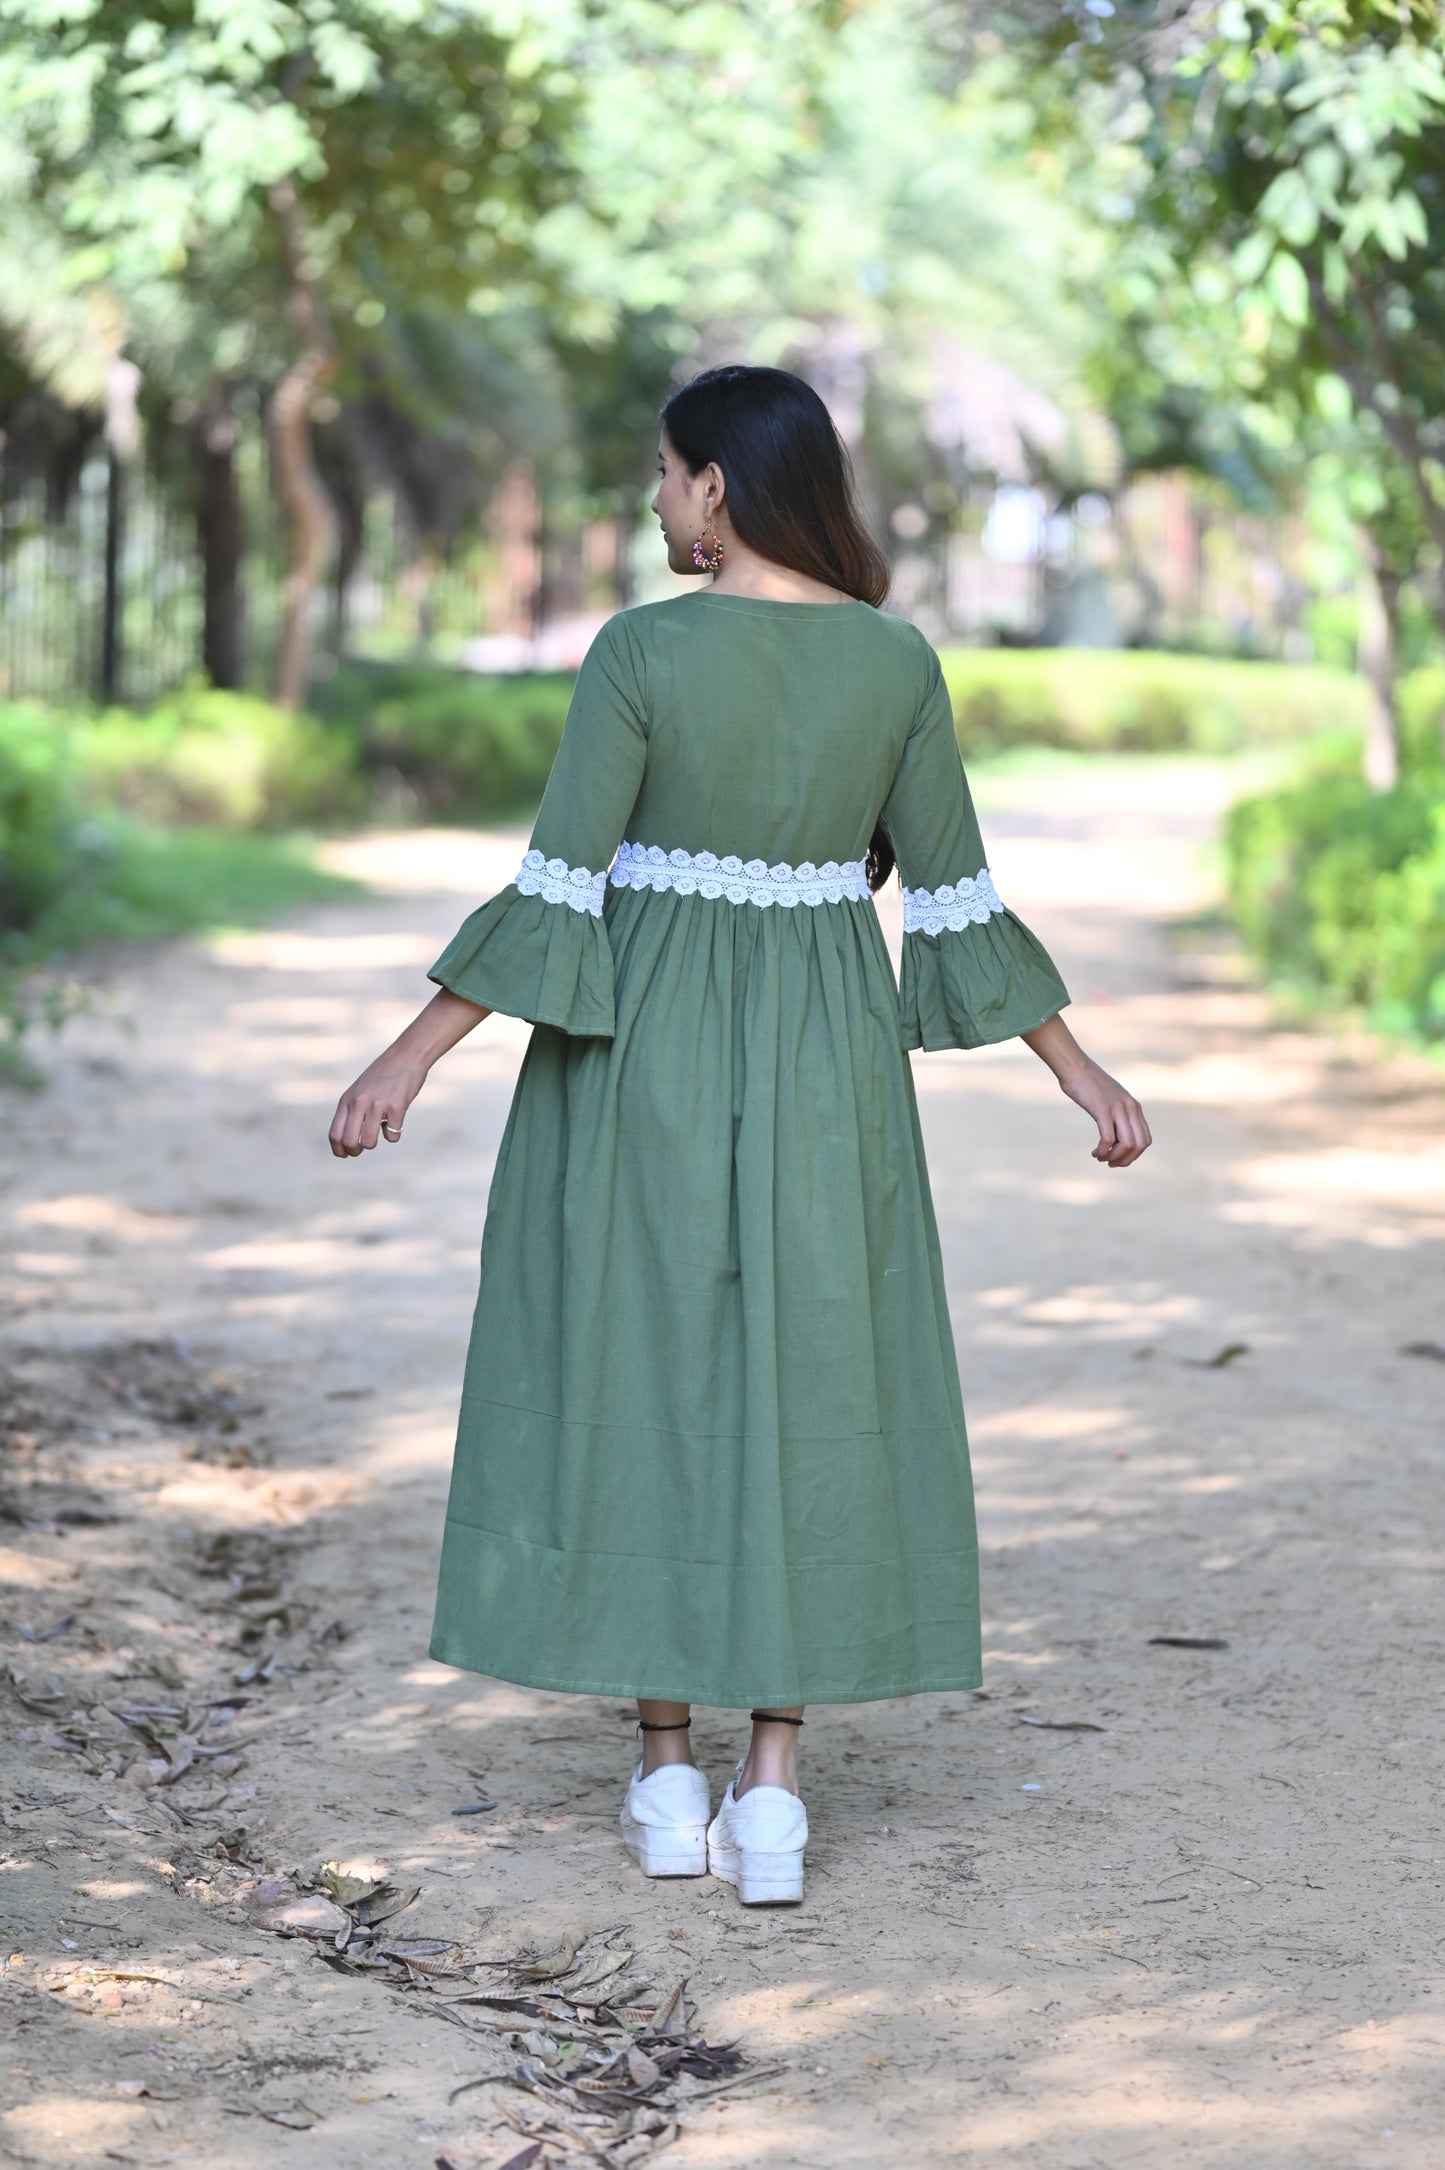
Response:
column 708, row 561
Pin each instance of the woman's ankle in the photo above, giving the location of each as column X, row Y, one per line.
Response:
column 772, row 1757
column 655, row 1754
column 753, row 1773
column 665, row 1736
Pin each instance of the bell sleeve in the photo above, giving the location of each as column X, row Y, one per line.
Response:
column 972, row 972
column 539, row 949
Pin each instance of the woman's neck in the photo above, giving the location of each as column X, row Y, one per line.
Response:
column 743, row 572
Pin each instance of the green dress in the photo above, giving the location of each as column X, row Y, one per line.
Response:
column 711, row 1442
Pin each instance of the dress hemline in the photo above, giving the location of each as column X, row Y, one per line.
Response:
column 793, row 1692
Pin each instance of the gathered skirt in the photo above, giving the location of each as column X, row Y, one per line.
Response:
column 711, row 1443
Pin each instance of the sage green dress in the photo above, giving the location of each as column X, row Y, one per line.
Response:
column 711, row 1442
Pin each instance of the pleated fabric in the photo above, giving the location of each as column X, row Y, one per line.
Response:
column 712, row 1443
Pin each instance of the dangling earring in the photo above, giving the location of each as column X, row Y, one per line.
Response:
column 708, row 561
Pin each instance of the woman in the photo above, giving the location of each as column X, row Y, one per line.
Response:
column 711, row 1444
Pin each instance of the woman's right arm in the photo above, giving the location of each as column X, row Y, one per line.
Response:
column 972, row 972
column 1123, row 1132
column 387, row 1087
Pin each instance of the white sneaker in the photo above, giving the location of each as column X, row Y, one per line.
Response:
column 757, row 1843
column 664, row 1820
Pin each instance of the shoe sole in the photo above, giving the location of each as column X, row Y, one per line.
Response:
column 666, row 1853
column 761, row 1879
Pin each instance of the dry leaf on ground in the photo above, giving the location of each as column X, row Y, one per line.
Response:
column 1060, row 1725
column 295, row 2116
column 550, row 1965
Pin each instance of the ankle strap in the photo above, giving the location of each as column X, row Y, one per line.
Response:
column 772, row 1717
column 674, row 1725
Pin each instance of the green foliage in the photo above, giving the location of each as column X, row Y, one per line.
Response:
column 1420, row 707
column 462, row 747
column 219, row 758
column 422, row 141
column 40, row 823
column 124, row 881
column 122, row 827
column 518, row 221
column 148, row 883
column 1340, row 891
column 1129, row 700
column 457, row 160
column 78, row 867
column 1275, row 307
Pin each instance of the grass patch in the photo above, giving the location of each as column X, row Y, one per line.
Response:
column 129, row 882
column 156, row 882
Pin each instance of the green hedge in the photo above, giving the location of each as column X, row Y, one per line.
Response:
column 1340, row 892
column 448, row 743
column 1420, row 704
column 222, row 759
column 432, row 741
column 1135, row 700
column 72, row 785
column 41, row 825
column 79, row 863
column 117, row 826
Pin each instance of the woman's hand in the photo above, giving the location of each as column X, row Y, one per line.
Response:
column 375, row 1106
column 1123, row 1132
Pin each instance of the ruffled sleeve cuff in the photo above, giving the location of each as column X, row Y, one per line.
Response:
column 538, row 950
column 972, row 973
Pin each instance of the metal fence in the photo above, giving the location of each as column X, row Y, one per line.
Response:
column 103, row 600
column 101, row 586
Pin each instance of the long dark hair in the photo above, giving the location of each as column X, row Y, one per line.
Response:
column 790, row 490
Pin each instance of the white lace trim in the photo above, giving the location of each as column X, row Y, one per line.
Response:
column 955, row 905
column 751, row 881
column 558, row 883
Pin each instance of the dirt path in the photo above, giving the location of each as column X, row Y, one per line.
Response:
column 1206, row 1930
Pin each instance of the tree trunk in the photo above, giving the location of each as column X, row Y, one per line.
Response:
column 308, row 508
column 416, row 585
column 345, row 486
column 543, row 595
column 111, row 637
column 1375, row 652
column 220, row 534
column 122, row 440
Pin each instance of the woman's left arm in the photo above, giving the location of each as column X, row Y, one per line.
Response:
column 387, row 1087
column 1123, row 1132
